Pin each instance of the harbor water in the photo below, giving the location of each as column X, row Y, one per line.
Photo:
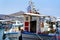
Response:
column 1, row 34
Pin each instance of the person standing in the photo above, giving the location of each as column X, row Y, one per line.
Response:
column 20, row 37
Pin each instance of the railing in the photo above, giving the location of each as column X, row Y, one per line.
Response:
column 41, row 36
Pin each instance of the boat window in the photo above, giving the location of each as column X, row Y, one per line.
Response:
column 26, row 18
column 15, row 25
column 14, row 22
column 18, row 22
column 21, row 25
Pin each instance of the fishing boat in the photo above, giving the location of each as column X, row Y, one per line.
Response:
column 14, row 32
column 33, row 22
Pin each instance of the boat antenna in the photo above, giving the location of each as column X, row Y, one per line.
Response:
column 31, row 7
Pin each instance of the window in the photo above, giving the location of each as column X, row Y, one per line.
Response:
column 26, row 18
column 18, row 22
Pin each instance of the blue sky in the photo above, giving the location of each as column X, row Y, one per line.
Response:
column 46, row 7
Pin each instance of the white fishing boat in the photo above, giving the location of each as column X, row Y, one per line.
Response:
column 14, row 32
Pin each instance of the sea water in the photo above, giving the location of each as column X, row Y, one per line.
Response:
column 1, row 34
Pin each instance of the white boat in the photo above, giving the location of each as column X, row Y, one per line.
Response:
column 14, row 32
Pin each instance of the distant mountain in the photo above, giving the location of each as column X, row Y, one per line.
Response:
column 6, row 17
column 11, row 16
column 17, row 13
column 1, row 16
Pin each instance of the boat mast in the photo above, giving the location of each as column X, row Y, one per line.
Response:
column 31, row 7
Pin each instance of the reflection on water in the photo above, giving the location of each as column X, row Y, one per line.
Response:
column 1, row 34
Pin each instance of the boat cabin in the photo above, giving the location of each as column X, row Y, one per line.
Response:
column 30, row 22
column 37, row 23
